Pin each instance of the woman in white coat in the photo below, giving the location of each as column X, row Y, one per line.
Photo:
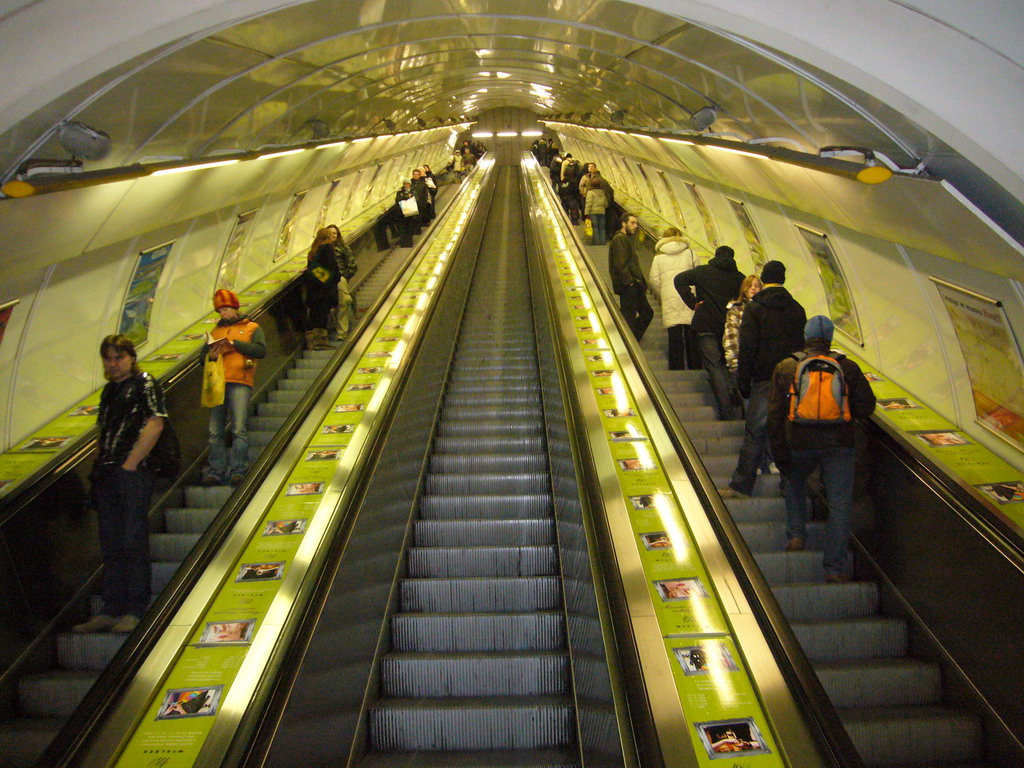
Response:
column 672, row 256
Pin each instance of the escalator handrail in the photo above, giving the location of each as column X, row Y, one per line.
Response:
column 828, row 730
column 109, row 687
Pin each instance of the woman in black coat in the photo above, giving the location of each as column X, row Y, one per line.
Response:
column 322, row 275
column 405, row 223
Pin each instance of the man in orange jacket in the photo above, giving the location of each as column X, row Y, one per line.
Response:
column 240, row 342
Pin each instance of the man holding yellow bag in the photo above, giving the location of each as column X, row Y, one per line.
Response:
column 236, row 343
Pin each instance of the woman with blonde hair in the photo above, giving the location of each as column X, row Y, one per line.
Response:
column 672, row 256
column 750, row 287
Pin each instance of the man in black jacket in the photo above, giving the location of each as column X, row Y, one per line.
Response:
column 627, row 277
column 716, row 283
column 799, row 449
column 772, row 328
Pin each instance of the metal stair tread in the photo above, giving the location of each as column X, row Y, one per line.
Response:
column 475, row 702
column 471, row 758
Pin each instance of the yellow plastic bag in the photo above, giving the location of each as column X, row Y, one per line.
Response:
column 213, row 383
column 588, row 227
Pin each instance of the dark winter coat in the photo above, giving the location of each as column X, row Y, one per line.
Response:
column 322, row 277
column 716, row 283
column 772, row 327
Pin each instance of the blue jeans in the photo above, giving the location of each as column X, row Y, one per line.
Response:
column 597, row 221
column 236, row 408
column 713, row 360
column 122, row 508
column 754, row 451
column 837, row 473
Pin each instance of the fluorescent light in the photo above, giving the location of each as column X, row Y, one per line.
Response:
column 675, row 141
column 507, row 134
column 502, row 75
column 365, row 138
column 485, row 74
column 281, row 154
column 332, row 144
column 532, row 133
column 737, row 151
column 483, row 135
column 198, row 167
column 483, row 52
column 482, row 90
column 639, row 135
column 614, row 130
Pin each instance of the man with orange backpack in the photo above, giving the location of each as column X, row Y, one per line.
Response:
column 812, row 401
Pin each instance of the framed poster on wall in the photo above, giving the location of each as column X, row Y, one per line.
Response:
column 710, row 230
column 992, row 356
column 6, row 310
column 325, row 206
column 841, row 308
column 284, row 240
column 228, row 273
column 757, row 252
column 138, row 302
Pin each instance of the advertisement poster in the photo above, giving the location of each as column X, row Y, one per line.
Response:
column 650, row 189
column 138, row 303
column 757, row 252
column 837, row 293
column 5, row 317
column 352, row 194
column 680, row 222
column 705, row 216
column 992, row 357
column 284, row 240
column 325, row 206
column 233, row 251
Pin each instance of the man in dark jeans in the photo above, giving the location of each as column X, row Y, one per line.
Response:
column 627, row 277
column 799, row 449
column 772, row 328
column 131, row 418
column 717, row 283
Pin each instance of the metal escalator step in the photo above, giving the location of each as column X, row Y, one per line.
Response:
column 477, row 632
column 173, row 547
column 881, row 682
column 469, row 399
column 274, row 409
column 765, row 486
column 311, row 363
column 913, row 735
column 23, row 739
column 214, row 497
column 162, row 573
column 264, row 424
column 259, row 439
column 866, row 638
column 491, row 377
column 306, row 374
column 500, row 444
column 718, row 465
column 528, row 593
column 771, row 536
column 684, row 400
column 820, row 602
column 293, row 385
column 694, row 413
column 516, row 386
column 757, row 509
column 442, row 562
column 475, row 533
column 405, row 675
column 285, row 395
column 521, row 723
column 716, row 446
column 54, row 693
column 493, row 413
column 188, row 519
column 790, row 567
column 442, row 463
column 480, row 428
column 486, row 506
column 504, row 758
column 713, row 428
column 489, row 483
column 87, row 651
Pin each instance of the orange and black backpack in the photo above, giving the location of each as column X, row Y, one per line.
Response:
column 818, row 395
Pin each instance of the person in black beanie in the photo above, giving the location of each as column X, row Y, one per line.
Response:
column 716, row 283
column 772, row 329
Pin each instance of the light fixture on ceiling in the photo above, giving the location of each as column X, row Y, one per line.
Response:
column 83, row 142
column 421, row 122
column 319, row 129
column 702, row 119
column 877, row 167
column 389, row 123
column 619, row 116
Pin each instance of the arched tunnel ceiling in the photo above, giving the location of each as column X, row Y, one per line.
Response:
column 382, row 65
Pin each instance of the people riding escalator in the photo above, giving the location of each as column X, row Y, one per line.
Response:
column 321, row 284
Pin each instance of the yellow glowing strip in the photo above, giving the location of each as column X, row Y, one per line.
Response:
column 332, row 144
column 199, row 167
column 675, row 141
column 281, row 154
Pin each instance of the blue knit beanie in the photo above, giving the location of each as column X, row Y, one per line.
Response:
column 819, row 327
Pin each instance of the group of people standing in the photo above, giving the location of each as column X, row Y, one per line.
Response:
column 750, row 335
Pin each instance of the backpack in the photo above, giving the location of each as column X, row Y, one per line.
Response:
column 818, row 395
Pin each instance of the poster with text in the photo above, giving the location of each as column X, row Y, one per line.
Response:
column 228, row 272
column 837, row 293
column 992, row 357
column 138, row 303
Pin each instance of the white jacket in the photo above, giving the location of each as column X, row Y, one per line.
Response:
column 673, row 255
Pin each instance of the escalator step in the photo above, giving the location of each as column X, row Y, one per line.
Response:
column 486, row 506
column 527, row 723
column 771, row 537
column 87, row 651
column 442, row 463
column 819, row 602
column 872, row 637
column 790, row 567
column 535, row 593
column 25, row 739
column 188, row 519
column 493, row 483
column 504, row 445
column 441, row 562
column 173, row 547
column 475, row 533
column 475, row 632
column 481, row 674
column 881, row 683
column 516, row 386
column 214, row 497
column 493, row 413
column 467, row 399
column 913, row 736
column 506, row 758
column 54, row 693
column 471, row 427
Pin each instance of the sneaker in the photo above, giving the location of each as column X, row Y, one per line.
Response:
column 795, row 545
column 210, row 480
column 101, row 622
column 125, row 624
column 732, row 493
column 237, row 479
column 837, row 578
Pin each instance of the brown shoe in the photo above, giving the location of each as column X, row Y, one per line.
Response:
column 732, row 493
column 837, row 578
column 795, row 545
